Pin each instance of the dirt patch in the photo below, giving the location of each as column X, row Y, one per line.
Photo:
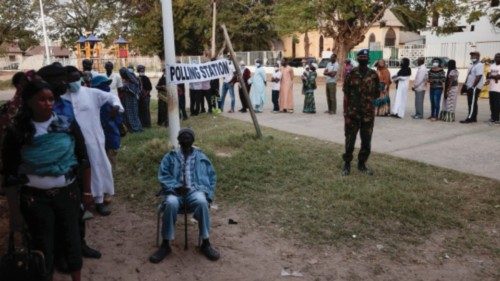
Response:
column 257, row 252
column 251, row 251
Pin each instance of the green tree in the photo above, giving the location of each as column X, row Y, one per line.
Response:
column 249, row 24
column 17, row 19
column 73, row 18
column 348, row 21
column 294, row 16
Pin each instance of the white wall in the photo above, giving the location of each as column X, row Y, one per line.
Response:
column 484, row 31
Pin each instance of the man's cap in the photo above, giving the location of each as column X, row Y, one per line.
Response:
column 99, row 80
column 474, row 53
column 242, row 62
column 315, row 65
column 363, row 52
column 186, row 131
column 108, row 63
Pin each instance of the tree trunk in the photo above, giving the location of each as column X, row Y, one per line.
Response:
column 342, row 51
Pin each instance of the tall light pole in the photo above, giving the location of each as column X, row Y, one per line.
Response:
column 169, row 46
column 214, row 26
column 45, row 37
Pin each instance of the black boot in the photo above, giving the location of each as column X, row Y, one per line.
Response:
column 208, row 251
column 161, row 253
column 102, row 209
column 88, row 252
column 363, row 169
column 346, row 170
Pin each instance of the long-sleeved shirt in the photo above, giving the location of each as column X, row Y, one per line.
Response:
column 420, row 78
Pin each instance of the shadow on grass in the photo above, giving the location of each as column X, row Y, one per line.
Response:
column 294, row 183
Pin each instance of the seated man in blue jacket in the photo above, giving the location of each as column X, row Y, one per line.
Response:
column 187, row 177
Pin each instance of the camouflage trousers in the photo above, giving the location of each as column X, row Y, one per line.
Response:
column 351, row 128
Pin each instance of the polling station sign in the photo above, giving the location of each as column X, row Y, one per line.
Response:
column 189, row 73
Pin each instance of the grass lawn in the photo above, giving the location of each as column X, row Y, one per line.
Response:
column 293, row 183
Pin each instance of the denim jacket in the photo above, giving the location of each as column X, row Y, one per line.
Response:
column 203, row 175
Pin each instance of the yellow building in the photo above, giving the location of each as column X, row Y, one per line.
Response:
column 382, row 36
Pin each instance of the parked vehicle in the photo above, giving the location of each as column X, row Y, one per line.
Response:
column 323, row 63
column 299, row 62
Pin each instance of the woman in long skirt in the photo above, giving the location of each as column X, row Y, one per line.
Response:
column 309, row 80
column 131, row 92
column 402, row 79
column 451, row 93
column 383, row 103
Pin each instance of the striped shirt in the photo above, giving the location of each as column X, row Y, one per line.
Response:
column 187, row 168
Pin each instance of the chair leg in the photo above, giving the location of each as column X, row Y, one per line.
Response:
column 158, row 217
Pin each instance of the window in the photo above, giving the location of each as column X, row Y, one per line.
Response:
column 372, row 38
column 472, row 28
column 12, row 58
column 390, row 38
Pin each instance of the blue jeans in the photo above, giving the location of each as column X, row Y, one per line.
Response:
column 225, row 88
column 435, row 95
column 196, row 203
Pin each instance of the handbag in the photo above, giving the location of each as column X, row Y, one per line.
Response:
column 22, row 264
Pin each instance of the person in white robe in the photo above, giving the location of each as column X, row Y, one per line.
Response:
column 402, row 79
column 87, row 104
column 258, row 89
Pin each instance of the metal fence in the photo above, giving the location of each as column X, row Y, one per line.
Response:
column 268, row 57
column 152, row 64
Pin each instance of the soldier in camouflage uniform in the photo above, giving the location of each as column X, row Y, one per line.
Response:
column 361, row 88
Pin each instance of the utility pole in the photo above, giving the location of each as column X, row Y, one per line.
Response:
column 169, row 46
column 45, row 37
column 214, row 26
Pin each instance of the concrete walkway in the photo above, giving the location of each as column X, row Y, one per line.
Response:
column 470, row 148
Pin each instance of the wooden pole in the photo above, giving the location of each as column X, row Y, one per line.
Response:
column 242, row 85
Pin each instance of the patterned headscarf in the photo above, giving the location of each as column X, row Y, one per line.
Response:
column 131, row 83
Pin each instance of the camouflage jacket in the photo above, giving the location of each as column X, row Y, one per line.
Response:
column 360, row 89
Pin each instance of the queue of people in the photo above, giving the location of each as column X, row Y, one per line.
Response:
column 60, row 134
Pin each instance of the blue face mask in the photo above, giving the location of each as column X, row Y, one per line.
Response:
column 73, row 87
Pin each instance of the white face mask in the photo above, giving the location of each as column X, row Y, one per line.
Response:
column 435, row 64
column 473, row 60
column 257, row 64
column 73, row 87
column 276, row 69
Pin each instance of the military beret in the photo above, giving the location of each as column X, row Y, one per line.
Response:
column 363, row 52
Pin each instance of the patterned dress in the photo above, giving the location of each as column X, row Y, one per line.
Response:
column 309, row 87
column 451, row 95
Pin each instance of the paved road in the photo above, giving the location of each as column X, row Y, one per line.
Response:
column 471, row 148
